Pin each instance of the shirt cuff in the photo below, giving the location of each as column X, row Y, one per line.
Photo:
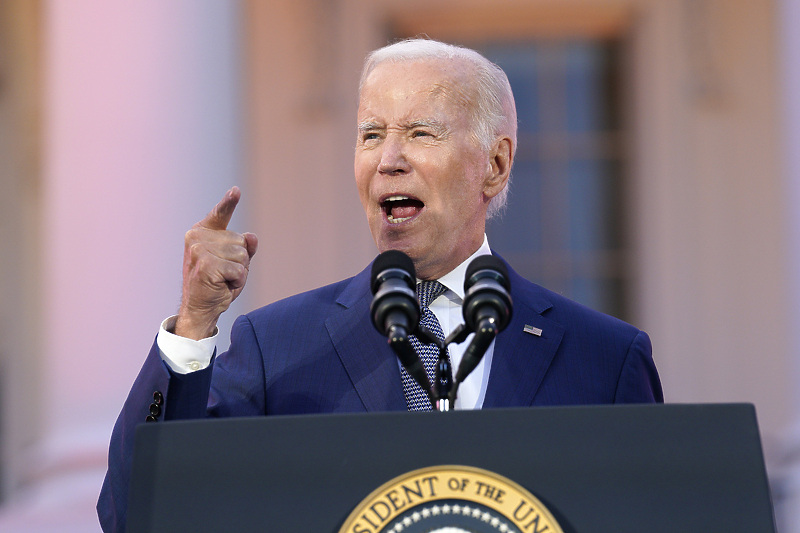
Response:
column 184, row 355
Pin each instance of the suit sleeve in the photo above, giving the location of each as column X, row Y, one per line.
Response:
column 151, row 385
column 638, row 381
column 232, row 385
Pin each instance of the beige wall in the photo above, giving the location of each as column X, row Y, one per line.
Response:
column 303, row 62
column 709, row 186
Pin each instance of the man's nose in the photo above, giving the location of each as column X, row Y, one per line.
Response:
column 393, row 157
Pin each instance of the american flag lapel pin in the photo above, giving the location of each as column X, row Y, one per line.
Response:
column 532, row 330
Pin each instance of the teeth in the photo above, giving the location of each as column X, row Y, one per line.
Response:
column 396, row 198
column 393, row 220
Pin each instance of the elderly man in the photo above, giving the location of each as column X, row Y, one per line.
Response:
column 435, row 144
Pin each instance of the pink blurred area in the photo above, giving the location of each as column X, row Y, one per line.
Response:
column 140, row 133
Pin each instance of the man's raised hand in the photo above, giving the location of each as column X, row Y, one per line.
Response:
column 215, row 267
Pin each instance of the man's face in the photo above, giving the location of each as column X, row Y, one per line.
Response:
column 420, row 174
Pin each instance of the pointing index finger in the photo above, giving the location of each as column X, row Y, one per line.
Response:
column 220, row 216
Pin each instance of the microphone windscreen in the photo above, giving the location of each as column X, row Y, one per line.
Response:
column 487, row 262
column 391, row 259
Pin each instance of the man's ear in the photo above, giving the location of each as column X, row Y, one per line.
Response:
column 500, row 159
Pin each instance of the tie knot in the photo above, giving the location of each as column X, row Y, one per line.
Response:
column 428, row 291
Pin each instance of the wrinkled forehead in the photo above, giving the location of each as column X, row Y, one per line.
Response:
column 449, row 79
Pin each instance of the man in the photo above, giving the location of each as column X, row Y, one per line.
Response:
column 434, row 149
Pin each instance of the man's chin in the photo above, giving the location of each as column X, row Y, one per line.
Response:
column 411, row 249
column 400, row 246
column 400, row 238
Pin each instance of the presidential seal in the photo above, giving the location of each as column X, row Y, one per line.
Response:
column 450, row 499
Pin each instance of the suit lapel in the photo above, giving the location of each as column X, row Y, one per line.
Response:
column 521, row 359
column 365, row 354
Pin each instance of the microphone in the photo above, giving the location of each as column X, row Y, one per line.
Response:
column 487, row 308
column 395, row 309
column 394, row 306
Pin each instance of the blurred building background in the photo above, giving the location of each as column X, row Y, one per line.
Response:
column 658, row 179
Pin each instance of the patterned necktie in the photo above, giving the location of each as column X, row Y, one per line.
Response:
column 416, row 399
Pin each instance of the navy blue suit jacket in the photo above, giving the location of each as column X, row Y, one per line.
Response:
column 317, row 352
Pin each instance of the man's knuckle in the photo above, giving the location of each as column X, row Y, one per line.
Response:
column 193, row 235
column 196, row 250
column 241, row 256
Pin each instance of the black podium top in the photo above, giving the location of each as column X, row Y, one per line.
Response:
column 632, row 468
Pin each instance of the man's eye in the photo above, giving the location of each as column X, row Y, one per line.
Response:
column 369, row 137
column 421, row 133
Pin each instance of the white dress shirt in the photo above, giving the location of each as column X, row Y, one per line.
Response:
column 447, row 309
column 187, row 355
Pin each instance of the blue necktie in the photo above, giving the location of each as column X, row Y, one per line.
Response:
column 416, row 399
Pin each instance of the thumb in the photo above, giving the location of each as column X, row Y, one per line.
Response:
column 251, row 243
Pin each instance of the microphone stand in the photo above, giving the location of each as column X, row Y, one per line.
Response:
column 444, row 381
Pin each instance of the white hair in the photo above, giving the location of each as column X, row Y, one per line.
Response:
column 494, row 112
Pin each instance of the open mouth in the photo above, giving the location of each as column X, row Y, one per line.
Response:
column 401, row 208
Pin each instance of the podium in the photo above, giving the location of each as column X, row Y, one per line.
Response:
column 627, row 468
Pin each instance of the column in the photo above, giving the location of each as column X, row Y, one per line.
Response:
column 141, row 138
